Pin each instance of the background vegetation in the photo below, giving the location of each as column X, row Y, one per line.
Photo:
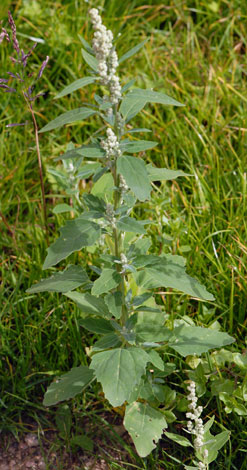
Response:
column 196, row 53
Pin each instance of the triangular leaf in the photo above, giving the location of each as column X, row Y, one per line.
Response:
column 145, row 425
column 74, row 115
column 68, row 385
column 170, row 274
column 75, row 235
column 65, row 281
column 97, row 325
column 129, row 224
column 89, row 304
column 76, row 85
column 113, row 301
column 137, row 146
column 108, row 279
column 119, row 371
column 189, row 340
column 163, row 174
column 135, row 174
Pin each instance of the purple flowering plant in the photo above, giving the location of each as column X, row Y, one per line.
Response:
column 24, row 86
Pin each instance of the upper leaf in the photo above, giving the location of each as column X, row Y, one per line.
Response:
column 68, row 385
column 145, row 425
column 136, row 99
column 129, row 224
column 76, row 85
column 189, row 340
column 65, row 281
column 135, row 174
column 90, row 60
column 78, row 114
column 119, row 371
column 163, row 174
column 170, row 274
column 75, row 235
column 132, row 51
column 136, row 146
column 108, row 279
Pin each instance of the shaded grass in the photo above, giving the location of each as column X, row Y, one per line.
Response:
column 197, row 54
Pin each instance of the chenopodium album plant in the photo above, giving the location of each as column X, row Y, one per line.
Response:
column 129, row 360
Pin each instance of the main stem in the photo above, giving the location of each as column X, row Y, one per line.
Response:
column 116, row 232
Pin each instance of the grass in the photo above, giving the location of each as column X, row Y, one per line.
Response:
column 197, row 54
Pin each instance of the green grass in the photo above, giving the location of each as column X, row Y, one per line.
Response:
column 197, row 54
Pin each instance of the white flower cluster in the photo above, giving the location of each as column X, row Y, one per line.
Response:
column 110, row 215
column 106, row 56
column 197, row 427
column 124, row 263
column 111, row 145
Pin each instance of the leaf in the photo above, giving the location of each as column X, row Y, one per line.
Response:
column 89, row 304
column 128, row 85
column 146, row 332
column 88, row 170
column 215, row 443
column 94, row 203
column 145, row 425
column 86, row 44
column 129, row 224
column 119, row 371
column 132, row 51
column 90, row 60
column 97, row 325
column 61, row 208
column 74, row 115
column 163, row 174
column 76, row 85
column 137, row 129
column 170, row 274
column 108, row 279
column 88, row 151
column 65, row 281
column 137, row 146
column 111, row 340
column 68, row 385
column 156, row 360
column 183, row 441
column 75, row 235
column 113, row 301
column 136, row 99
column 187, row 340
column 135, row 174
column 81, row 440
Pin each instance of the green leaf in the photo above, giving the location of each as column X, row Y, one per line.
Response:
column 170, row 274
column 163, row 174
column 94, row 203
column 76, row 85
column 119, row 371
column 145, row 425
column 97, row 325
column 86, row 44
column 88, row 170
column 75, row 235
column 90, row 60
column 113, row 301
column 111, row 340
column 183, row 441
column 137, row 146
column 137, row 129
column 89, row 304
column 136, row 99
column 135, row 174
column 187, row 340
column 81, row 440
column 156, row 360
column 128, row 224
column 215, row 443
column 108, row 279
column 74, row 115
column 88, row 151
column 146, row 332
column 65, row 281
column 132, row 51
column 61, row 208
column 68, row 385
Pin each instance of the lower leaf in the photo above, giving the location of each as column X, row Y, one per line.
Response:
column 145, row 425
